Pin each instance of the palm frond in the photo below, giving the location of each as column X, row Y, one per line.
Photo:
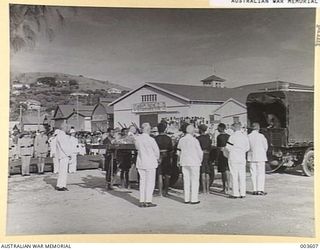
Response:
column 60, row 17
column 17, row 43
column 50, row 34
column 28, row 20
column 29, row 34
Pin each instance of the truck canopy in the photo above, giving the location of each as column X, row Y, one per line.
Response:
column 292, row 109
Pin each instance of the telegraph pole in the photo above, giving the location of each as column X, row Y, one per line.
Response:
column 78, row 128
column 39, row 118
column 20, row 117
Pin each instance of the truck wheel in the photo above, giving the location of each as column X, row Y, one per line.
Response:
column 308, row 163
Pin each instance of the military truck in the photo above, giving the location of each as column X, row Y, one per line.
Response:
column 286, row 119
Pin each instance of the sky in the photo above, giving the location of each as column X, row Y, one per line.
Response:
column 133, row 46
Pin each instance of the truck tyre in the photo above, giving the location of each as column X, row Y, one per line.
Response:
column 308, row 163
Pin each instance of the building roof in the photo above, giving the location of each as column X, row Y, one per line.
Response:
column 194, row 93
column 213, row 78
column 109, row 109
column 230, row 100
column 79, row 94
column 67, row 110
column 107, row 99
column 274, row 85
column 204, row 94
column 199, row 93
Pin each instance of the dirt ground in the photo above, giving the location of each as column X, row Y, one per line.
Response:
column 35, row 207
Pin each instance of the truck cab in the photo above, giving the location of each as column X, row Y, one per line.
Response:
column 286, row 119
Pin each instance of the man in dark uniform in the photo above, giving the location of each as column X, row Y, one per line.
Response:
column 222, row 161
column 164, row 170
column 205, row 169
column 125, row 158
column 107, row 142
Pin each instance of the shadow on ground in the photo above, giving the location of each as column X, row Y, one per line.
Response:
column 125, row 195
column 50, row 181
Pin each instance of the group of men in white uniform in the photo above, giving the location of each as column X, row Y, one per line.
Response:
column 237, row 146
column 190, row 156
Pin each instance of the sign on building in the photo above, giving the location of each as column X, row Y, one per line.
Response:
column 149, row 107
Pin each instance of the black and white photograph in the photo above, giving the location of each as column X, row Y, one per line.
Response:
column 161, row 121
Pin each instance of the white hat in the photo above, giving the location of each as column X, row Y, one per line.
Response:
column 72, row 131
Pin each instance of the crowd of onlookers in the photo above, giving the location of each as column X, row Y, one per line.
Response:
column 190, row 145
column 89, row 141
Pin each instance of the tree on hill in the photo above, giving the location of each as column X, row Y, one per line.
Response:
column 50, row 81
column 73, row 83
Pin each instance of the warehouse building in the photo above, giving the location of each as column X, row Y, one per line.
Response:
column 211, row 101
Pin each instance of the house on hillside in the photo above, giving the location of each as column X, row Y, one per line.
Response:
column 15, row 92
column 114, row 91
column 20, row 86
column 14, row 126
column 79, row 94
column 80, row 117
column 102, row 117
column 32, row 104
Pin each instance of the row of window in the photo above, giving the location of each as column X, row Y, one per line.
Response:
column 149, row 98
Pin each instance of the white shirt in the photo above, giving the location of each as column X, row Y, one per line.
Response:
column 74, row 145
column 63, row 147
column 258, row 147
column 148, row 152
column 238, row 145
column 190, row 151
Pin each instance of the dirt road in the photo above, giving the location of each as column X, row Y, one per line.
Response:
column 34, row 207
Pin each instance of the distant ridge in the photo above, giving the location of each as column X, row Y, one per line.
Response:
column 85, row 83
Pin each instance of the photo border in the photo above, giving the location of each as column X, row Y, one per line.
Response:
column 132, row 238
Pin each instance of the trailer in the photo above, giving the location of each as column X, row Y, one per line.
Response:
column 286, row 119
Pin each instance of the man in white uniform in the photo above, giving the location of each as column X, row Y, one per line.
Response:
column 147, row 162
column 63, row 152
column 257, row 157
column 191, row 154
column 53, row 147
column 41, row 150
column 74, row 144
column 238, row 145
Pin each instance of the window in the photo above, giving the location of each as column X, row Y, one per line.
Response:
column 149, row 98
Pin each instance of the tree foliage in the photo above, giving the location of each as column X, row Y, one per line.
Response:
column 27, row 22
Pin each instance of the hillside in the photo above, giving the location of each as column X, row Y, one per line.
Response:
column 52, row 89
column 84, row 82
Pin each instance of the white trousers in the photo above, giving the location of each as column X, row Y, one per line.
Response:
column 258, row 172
column 55, row 164
column 63, row 173
column 147, row 183
column 238, row 177
column 25, row 164
column 191, row 183
column 73, row 164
